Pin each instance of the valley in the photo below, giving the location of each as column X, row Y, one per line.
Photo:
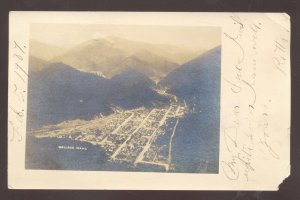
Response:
column 126, row 135
column 112, row 104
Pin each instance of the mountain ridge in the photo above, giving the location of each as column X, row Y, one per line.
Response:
column 197, row 78
column 44, row 51
column 60, row 92
column 111, row 55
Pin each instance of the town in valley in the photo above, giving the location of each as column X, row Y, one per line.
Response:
column 130, row 136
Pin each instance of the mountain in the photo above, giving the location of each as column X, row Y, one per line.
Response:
column 60, row 92
column 172, row 53
column 112, row 55
column 197, row 83
column 44, row 51
column 198, row 79
column 36, row 64
column 133, row 89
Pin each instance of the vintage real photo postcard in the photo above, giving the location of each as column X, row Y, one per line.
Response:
column 131, row 100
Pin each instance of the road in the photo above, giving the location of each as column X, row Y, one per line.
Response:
column 128, row 138
column 170, row 143
column 141, row 155
column 147, row 146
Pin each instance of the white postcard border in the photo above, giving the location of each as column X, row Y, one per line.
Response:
column 261, row 110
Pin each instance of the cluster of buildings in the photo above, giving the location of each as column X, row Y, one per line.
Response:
column 126, row 135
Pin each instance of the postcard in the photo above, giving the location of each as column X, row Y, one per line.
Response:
column 148, row 101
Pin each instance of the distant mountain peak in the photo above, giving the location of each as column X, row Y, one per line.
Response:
column 112, row 55
column 44, row 51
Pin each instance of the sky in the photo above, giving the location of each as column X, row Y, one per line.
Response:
column 68, row 35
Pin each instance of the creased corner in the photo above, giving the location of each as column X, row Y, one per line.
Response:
column 281, row 19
